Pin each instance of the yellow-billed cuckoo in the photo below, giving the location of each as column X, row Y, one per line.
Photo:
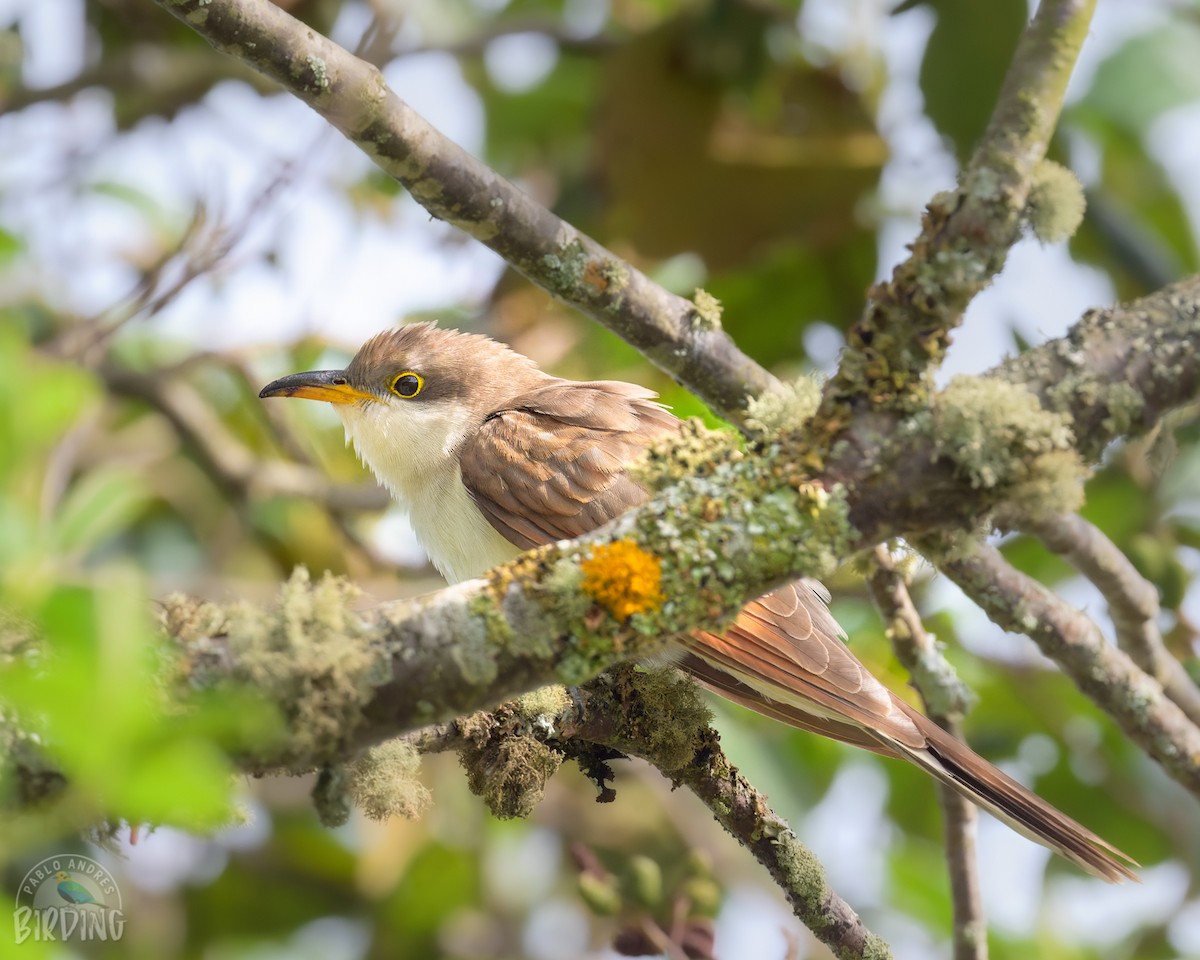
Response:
column 491, row 456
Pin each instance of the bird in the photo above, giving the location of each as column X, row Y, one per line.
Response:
column 72, row 890
column 492, row 456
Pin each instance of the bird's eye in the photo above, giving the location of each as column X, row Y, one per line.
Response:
column 407, row 384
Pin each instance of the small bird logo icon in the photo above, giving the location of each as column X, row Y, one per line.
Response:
column 72, row 890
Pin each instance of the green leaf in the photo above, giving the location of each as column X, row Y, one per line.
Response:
column 1150, row 74
column 11, row 246
column 964, row 65
column 99, row 506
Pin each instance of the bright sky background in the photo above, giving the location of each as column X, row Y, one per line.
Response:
column 348, row 277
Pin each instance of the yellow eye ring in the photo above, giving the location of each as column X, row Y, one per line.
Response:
column 407, row 384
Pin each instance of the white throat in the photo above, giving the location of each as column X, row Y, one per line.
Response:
column 411, row 450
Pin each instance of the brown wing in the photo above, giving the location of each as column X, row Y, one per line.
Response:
column 787, row 647
column 552, row 465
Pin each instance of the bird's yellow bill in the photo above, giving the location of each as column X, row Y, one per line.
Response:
column 328, row 385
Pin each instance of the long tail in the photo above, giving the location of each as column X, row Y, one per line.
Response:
column 956, row 764
column 783, row 658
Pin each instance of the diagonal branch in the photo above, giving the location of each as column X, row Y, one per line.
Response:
column 1108, row 676
column 1132, row 602
column 967, row 232
column 627, row 711
column 946, row 699
column 457, row 188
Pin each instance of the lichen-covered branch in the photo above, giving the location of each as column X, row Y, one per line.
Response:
column 692, row 556
column 1119, row 370
column 946, row 699
column 1132, row 602
column 723, row 528
column 657, row 716
column 682, row 338
column 966, row 232
column 1105, row 673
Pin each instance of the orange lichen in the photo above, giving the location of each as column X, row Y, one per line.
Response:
column 623, row 578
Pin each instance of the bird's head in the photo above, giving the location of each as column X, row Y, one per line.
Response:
column 411, row 394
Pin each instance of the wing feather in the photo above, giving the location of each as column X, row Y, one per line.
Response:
column 552, row 464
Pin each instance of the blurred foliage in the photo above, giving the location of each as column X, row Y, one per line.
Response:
column 737, row 146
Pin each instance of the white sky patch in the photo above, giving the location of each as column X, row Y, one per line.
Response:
column 752, row 923
column 520, row 61
column 1090, row 911
column 556, row 928
column 848, row 833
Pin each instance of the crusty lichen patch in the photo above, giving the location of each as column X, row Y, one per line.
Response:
column 623, row 578
column 308, row 653
column 707, row 315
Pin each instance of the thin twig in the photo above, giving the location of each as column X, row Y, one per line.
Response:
column 946, row 699
column 235, row 469
column 1132, row 601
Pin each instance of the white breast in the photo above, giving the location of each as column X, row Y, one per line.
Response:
column 410, row 449
column 456, row 535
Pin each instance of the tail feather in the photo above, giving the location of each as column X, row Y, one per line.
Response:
column 948, row 760
column 955, row 764
column 784, row 657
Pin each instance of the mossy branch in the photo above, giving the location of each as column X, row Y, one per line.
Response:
column 966, row 232
column 724, row 528
column 657, row 716
column 1071, row 639
column 1132, row 602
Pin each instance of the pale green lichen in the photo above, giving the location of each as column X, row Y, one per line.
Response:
column 707, row 315
column 383, row 782
column 307, row 653
column 563, row 271
column 542, row 707
column 784, row 408
column 992, row 431
column 1056, row 203
column 320, row 73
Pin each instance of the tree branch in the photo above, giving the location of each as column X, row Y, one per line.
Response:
column 719, row 532
column 967, row 232
column 1132, row 602
column 1118, row 371
column 455, row 187
column 946, row 699
column 658, row 717
column 1134, row 700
